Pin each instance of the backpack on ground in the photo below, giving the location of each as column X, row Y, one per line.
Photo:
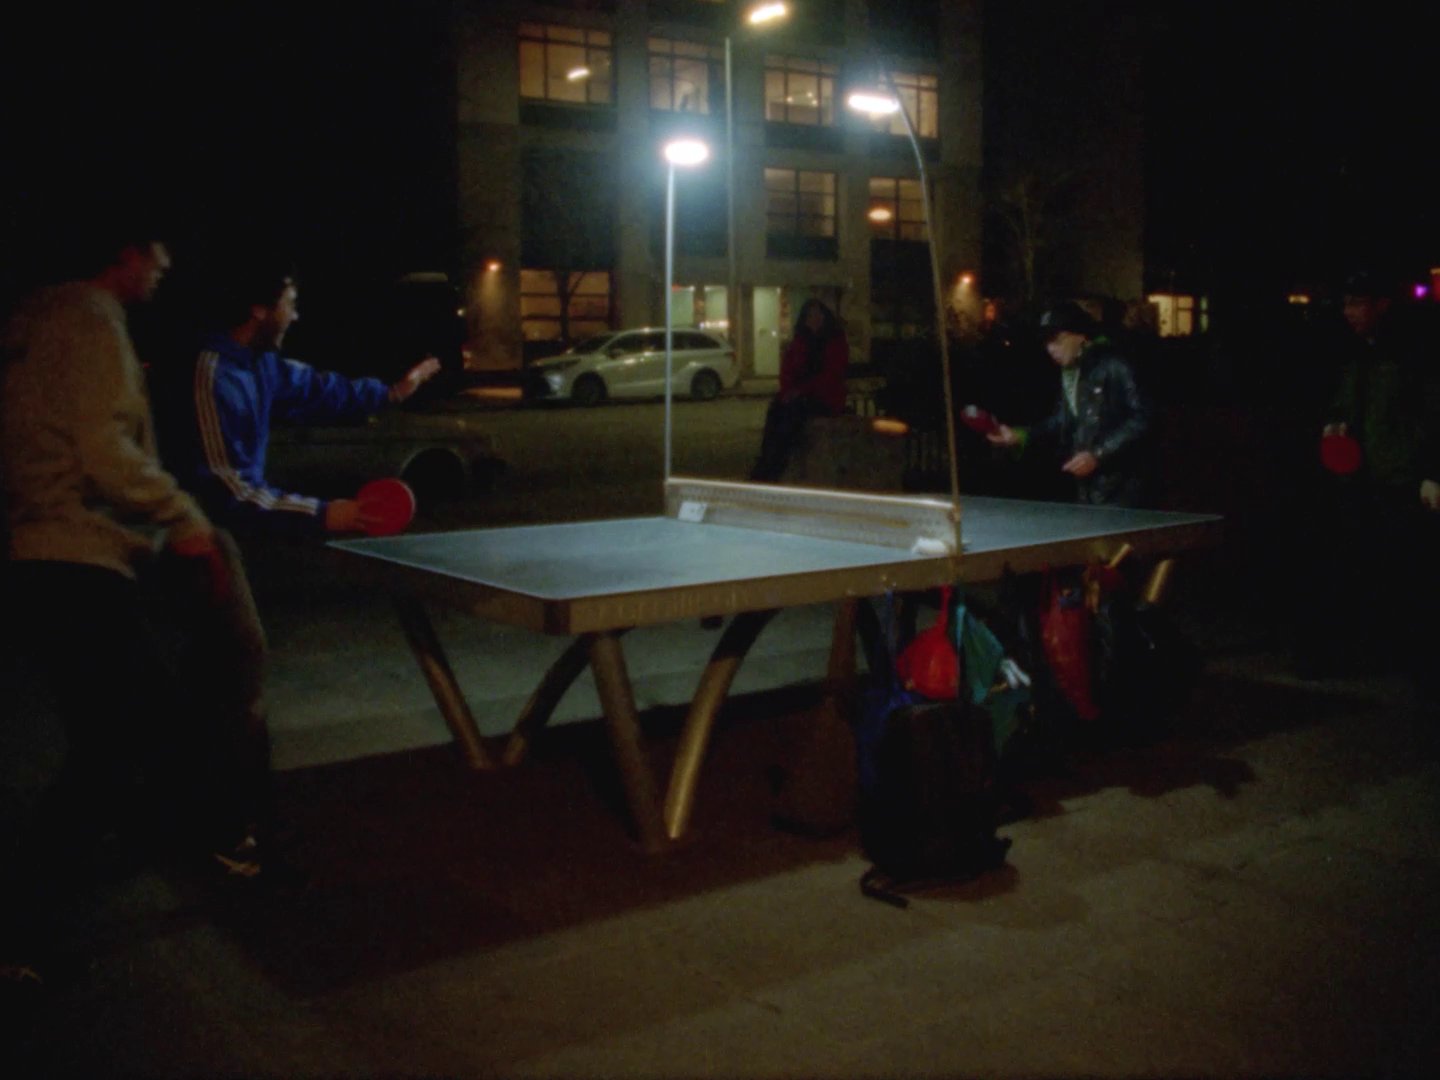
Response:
column 929, row 803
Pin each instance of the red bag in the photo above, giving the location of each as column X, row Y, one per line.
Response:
column 929, row 663
column 1065, row 638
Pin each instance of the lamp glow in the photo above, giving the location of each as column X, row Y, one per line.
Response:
column 873, row 102
column 686, row 152
column 880, row 213
column 764, row 13
column 577, row 73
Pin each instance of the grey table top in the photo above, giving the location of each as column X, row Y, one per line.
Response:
column 702, row 568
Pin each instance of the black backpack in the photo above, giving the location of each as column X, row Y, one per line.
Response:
column 929, row 802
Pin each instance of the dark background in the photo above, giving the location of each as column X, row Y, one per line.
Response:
column 1284, row 142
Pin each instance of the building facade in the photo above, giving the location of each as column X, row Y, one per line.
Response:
column 563, row 110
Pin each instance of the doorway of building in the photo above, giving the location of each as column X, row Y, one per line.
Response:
column 767, row 331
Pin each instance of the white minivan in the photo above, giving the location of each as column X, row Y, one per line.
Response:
column 631, row 364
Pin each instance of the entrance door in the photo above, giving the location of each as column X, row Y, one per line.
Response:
column 767, row 331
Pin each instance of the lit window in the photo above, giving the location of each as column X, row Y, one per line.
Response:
column 684, row 74
column 560, row 306
column 920, row 95
column 896, row 210
column 800, row 203
column 565, row 64
column 1180, row 315
column 799, row 91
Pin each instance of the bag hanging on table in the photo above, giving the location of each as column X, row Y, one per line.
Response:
column 928, row 799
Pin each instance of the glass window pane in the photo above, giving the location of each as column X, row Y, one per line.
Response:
column 775, row 95
column 779, row 180
column 540, row 329
column 564, row 33
column 539, row 305
column 532, row 69
column 660, row 83
column 593, row 284
column 599, row 87
column 817, row 181
column 691, row 91
column 561, row 60
column 532, row 281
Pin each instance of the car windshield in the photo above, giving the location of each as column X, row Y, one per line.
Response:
column 589, row 345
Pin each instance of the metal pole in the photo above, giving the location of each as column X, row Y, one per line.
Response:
column 732, row 283
column 669, row 301
column 939, row 301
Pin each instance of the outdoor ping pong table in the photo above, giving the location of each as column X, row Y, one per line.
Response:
column 721, row 549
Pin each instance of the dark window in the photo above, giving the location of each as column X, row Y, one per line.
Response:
column 800, row 203
column 567, row 208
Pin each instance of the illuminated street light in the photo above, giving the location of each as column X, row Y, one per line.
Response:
column 759, row 15
column 873, row 102
column 764, row 13
column 881, row 213
column 577, row 73
column 685, row 153
column 884, row 100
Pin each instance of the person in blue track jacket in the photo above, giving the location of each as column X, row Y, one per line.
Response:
column 240, row 384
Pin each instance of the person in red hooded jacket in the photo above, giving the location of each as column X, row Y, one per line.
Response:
column 812, row 383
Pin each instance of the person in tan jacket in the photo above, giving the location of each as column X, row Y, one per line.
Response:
column 94, row 522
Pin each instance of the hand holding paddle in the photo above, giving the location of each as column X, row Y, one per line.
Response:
column 382, row 507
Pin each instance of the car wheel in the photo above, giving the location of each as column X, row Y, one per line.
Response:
column 705, row 386
column 588, row 390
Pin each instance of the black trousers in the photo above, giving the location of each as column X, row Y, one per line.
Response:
column 784, row 426
column 158, row 687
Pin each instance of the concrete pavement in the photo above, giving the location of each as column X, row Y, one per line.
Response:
column 1254, row 895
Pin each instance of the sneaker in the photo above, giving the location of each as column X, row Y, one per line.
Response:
column 248, row 864
column 242, row 862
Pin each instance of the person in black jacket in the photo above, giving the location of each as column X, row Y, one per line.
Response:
column 1101, row 421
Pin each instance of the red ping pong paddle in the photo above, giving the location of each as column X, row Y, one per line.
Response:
column 1340, row 454
column 388, row 505
column 977, row 419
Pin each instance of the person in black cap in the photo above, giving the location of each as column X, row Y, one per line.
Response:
column 1101, row 420
column 1380, row 530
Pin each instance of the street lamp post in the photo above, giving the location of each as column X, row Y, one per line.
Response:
column 758, row 15
column 885, row 100
column 686, row 153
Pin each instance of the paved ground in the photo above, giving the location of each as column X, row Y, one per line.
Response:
column 1254, row 895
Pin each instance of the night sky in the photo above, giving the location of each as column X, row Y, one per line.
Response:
column 1284, row 140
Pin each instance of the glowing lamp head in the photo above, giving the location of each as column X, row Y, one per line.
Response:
column 575, row 74
column 493, row 265
column 873, row 102
column 1421, row 291
column 686, row 152
column 880, row 214
column 766, row 13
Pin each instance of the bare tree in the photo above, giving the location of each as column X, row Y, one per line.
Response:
column 1030, row 204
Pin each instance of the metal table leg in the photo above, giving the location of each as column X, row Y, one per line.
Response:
column 710, row 694
column 424, row 643
column 617, row 698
